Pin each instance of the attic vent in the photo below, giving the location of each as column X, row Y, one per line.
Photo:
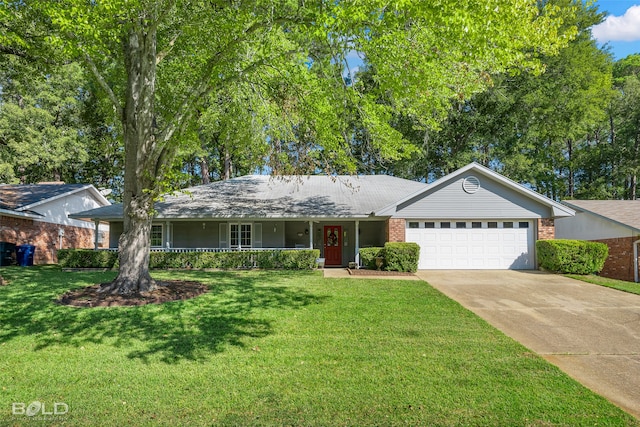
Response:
column 471, row 184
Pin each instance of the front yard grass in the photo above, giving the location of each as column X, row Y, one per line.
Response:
column 620, row 285
column 274, row 348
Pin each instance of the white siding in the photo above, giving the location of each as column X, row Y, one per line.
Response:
column 57, row 211
column 586, row 226
column 492, row 201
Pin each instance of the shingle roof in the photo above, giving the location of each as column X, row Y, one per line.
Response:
column 260, row 196
column 19, row 197
column 625, row 212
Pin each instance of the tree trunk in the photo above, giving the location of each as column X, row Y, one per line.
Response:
column 141, row 164
column 204, row 170
column 227, row 164
column 570, row 168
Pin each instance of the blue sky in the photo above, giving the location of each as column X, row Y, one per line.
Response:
column 621, row 29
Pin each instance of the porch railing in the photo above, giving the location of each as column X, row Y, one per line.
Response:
column 184, row 250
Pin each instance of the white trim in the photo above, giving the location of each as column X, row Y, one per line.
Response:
column 99, row 197
column 17, row 214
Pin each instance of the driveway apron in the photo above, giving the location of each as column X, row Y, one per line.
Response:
column 590, row 332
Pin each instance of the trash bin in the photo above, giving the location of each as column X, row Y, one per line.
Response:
column 7, row 251
column 24, row 255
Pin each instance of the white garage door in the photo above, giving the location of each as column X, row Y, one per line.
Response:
column 482, row 244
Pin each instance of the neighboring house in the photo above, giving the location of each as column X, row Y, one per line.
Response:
column 37, row 214
column 614, row 222
column 473, row 218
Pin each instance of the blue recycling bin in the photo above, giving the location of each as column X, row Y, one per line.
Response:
column 24, row 255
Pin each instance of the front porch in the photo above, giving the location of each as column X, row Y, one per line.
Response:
column 339, row 242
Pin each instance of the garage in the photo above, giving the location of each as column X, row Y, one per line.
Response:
column 470, row 244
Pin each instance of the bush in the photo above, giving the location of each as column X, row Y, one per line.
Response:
column 368, row 256
column 401, row 256
column 572, row 256
column 284, row 259
column 87, row 258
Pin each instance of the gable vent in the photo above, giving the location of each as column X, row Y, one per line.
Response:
column 471, row 184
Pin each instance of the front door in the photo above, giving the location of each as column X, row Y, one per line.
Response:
column 332, row 245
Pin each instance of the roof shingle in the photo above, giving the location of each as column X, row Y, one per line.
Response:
column 261, row 196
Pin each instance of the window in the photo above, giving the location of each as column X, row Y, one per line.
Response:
column 414, row 225
column 492, row 224
column 242, row 232
column 429, row 225
column 461, row 224
column 476, row 224
column 523, row 224
column 507, row 224
column 156, row 236
column 445, row 225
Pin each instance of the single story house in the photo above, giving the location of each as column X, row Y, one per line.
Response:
column 614, row 222
column 473, row 218
column 38, row 214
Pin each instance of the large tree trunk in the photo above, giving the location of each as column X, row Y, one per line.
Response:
column 141, row 162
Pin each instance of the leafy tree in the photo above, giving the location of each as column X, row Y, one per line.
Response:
column 532, row 127
column 39, row 124
column 625, row 125
column 157, row 61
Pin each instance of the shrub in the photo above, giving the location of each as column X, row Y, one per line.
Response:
column 368, row 256
column 572, row 256
column 401, row 256
column 87, row 258
column 299, row 259
column 284, row 259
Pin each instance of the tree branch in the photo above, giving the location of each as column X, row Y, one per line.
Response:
column 105, row 86
column 168, row 50
column 8, row 50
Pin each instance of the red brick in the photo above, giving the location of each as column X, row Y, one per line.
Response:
column 546, row 229
column 619, row 264
column 396, row 230
column 44, row 236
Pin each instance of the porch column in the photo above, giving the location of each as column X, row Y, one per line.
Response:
column 357, row 259
column 167, row 238
column 310, row 234
column 96, row 235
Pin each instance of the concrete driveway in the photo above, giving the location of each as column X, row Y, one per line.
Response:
column 590, row 332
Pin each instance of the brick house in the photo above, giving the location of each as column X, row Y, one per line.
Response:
column 613, row 222
column 37, row 214
column 473, row 218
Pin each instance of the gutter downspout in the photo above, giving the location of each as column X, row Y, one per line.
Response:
column 635, row 260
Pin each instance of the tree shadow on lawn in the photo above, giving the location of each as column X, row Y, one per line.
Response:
column 234, row 309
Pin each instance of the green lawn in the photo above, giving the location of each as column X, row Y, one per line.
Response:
column 274, row 348
column 620, row 285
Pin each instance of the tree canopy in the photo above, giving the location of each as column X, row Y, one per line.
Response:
column 160, row 63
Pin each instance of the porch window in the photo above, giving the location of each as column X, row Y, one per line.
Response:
column 156, row 236
column 240, row 235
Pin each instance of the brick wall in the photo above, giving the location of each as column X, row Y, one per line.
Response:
column 44, row 236
column 395, row 230
column 619, row 264
column 546, row 229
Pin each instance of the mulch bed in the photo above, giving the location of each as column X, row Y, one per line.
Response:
column 365, row 272
column 172, row 290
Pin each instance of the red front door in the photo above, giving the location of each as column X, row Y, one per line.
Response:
column 332, row 245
